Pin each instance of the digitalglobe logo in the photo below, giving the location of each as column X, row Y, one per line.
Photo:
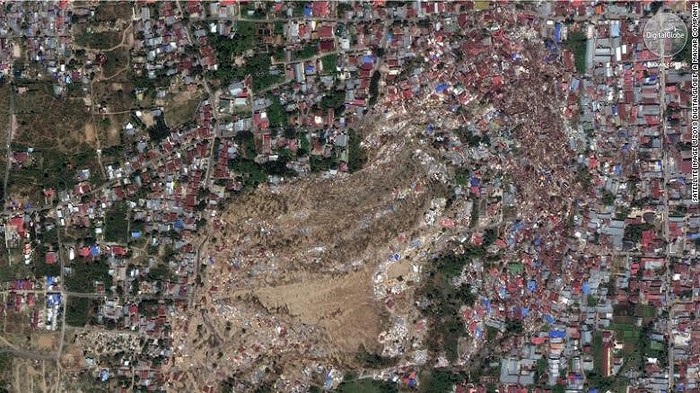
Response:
column 665, row 34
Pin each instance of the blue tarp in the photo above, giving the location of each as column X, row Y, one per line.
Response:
column 516, row 226
column 487, row 305
column 585, row 289
column 524, row 311
column 537, row 241
column 94, row 250
column 440, row 87
column 178, row 224
column 694, row 235
column 477, row 332
column 531, row 285
column 557, row 333
column 307, row 9
column 502, row 293
column 614, row 30
column 309, row 68
column 573, row 86
column 367, row 59
column 617, row 169
column 49, row 281
column 548, row 318
column 557, row 32
column 135, row 234
column 474, row 181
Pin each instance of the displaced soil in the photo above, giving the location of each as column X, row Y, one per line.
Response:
column 290, row 268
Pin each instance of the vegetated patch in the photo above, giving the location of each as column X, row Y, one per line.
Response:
column 181, row 108
column 84, row 275
column 113, row 11
column 116, row 63
column 117, row 223
column 374, row 87
column 5, row 92
column 159, row 131
column 77, row 311
column 276, row 114
column 368, row 359
column 49, row 122
column 96, row 39
column 308, row 51
column 356, row 156
column 444, row 301
column 367, row 386
column 439, row 381
column 576, row 43
column 250, row 172
column 228, row 49
column 330, row 63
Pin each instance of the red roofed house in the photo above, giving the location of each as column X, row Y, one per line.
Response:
column 84, row 251
column 18, row 223
column 50, row 258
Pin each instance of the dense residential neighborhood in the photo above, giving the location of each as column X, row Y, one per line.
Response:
column 187, row 106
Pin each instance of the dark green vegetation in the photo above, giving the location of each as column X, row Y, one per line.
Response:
column 469, row 138
column 356, row 156
column 77, row 311
column 159, row 131
column 276, row 113
column 444, row 301
column 633, row 232
column 334, row 99
column 576, row 43
column 257, row 66
column 307, row 52
column 51, row 168
column 440, row 381
column 366, row 386
column 84, row 275
column 251, row 173
column 329, row 63
column 373, row 360
column 243, row 41
column 374, row 88
column 117, row 223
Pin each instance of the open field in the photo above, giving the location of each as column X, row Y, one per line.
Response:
column 50, row 123
column 113, row 11
column 181, row 108
column 33, row 376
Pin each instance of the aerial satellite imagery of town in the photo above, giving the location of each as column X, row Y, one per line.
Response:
column 351, row 196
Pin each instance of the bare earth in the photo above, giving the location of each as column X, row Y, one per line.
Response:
column 291, row 271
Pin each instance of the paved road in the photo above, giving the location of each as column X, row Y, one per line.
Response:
column 666, row 213
column 11, row 129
